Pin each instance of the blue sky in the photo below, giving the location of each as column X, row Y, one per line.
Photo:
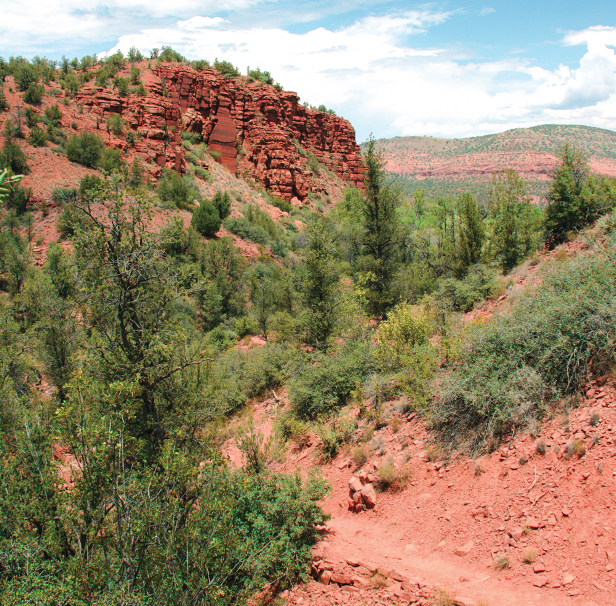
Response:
column 392, row 68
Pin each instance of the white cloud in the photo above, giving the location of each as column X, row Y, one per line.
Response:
column 369, row 74
column 369, row 71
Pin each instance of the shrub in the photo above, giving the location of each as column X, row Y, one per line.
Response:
column 327, row 384
column 399, row 335
column 70, row 220
column 85, row 148
column 90, row 184
column 501, row 561
column 313, row 164
column 32, row 117
column 111, row 159
column 202, row 173
column 278, row 202
column 529, row 555
column 206, row 219
column 13, row 157
column 391, row 478
column 64, row 195
column 246, row 230
column 222, row 203
column 102, row 77
column 177, row 189
column 34, row 95
column 333, row 435
column 18, row 199
column 4, row 104
column 53, row 114
column 512, row 367
column 115, row 124
column 226, row 68
column 122, row 84
column 38, row 137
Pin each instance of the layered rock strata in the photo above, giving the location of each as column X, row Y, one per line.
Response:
column 256, row 131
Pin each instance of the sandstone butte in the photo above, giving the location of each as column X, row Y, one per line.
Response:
column 260, row 133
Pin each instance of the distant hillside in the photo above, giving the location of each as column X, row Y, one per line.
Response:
column 447, row 166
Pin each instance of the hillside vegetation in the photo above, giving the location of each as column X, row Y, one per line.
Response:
column 133, row 348
column 448, row 166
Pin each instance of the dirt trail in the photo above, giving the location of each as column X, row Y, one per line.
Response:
column 445, row 529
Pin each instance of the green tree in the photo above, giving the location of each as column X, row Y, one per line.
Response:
column 85, row 148
column 206, row 219
column 222, row 203
column 571, row 200
column 511, row 219
column 471, row 233
column 319, row 284
column 263, row 291
column 379, row 260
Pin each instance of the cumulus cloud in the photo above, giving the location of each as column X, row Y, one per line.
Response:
column 369, row 73
column 377, row 71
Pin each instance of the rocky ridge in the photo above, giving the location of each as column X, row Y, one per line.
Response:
column 258, row 132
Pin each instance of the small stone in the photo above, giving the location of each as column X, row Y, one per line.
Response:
column 464, row 550
column 540, row 581
column 532, row 523
column 325, row 577
column 567, row 512
column 516, row 534
column 350, row 589
column 538, row 567
column 355, row 484
column 568, row 578
column 551, row 520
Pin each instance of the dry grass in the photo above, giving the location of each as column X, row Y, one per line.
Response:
column 395, row 424
column 392, row 478
column 501, row 561
column 529, row 555
column 577, row 447
column 379, row 581
column 433, row 452
column 595, row 417
column 443, row 597
column 541, row 447
column 360, row 455
column 478, row 469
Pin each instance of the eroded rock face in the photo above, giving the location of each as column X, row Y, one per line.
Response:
column 259, row 132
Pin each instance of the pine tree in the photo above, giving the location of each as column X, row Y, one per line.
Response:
column 319, row 285
column 471, row 234
column 379, row 261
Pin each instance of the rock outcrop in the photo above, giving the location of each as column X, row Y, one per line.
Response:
column 256, row 131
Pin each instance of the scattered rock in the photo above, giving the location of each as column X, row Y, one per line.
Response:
column 464, row 550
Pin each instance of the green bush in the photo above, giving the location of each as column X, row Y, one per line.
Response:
column 13, row 157
column 334, row 434
column 461, row 295
column 226, row 68
column 509, row 369
column 64, row 195
column 278, row 202
column 116, row 124
column 206, row 219
column 53, row 115
column 122, row 84
column 85, row 148
column 246, row 230
column 38, row 137
column 18, row 199
column 326, row 385
column 202, row 173
column 35, row 93
column 222, row 203
column 90, row 184
column 4, row 104
column 111, row 159
column 177, row 189
column 32, row 118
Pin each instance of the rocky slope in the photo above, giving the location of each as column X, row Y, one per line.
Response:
column 260, row 133
column 450, row 165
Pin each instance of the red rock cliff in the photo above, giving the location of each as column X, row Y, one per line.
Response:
column 259, row 132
